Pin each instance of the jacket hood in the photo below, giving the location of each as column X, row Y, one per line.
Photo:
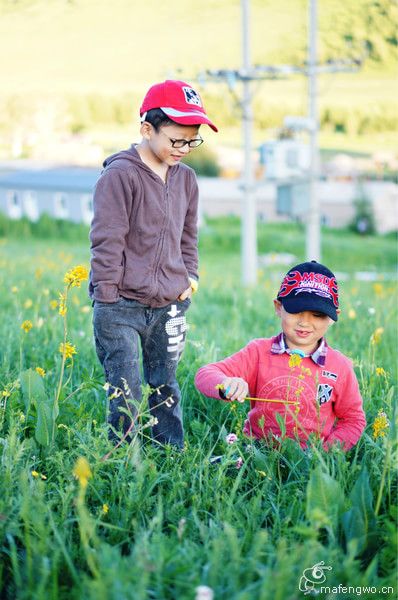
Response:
column 131, row 156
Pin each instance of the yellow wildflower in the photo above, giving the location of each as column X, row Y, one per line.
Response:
column 67, row 349
column 352, row 314
column 28, row 303
column 294, row 360
column 14, row 289
column 380, row 425
column 38, row 273
column 105, row 509
column 35, row 474
column 82, row 471
column 5, row 394
column 378, row 289
column 27, row 326
column 53, row 304
column 375, row 338
column 40, row 371
column 85, row 309
column 62, row 305
column 75, row 276
column 43, row 476
column 380, row 372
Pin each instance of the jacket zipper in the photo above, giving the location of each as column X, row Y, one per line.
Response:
column 162, row 236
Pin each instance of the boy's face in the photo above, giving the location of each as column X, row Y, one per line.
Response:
column 303, row 330
column 161, row 142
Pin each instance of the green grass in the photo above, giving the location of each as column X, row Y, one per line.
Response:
column 174, row 521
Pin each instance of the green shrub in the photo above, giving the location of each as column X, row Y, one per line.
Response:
column 364, row 220
column 204, row 162
column 46, row 227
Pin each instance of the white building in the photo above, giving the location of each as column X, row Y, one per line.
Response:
column 62, row 193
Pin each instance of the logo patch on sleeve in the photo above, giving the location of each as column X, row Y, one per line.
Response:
column 329, row 375
column 324, row 393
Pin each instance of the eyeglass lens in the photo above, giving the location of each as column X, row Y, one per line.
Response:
column 182, row 143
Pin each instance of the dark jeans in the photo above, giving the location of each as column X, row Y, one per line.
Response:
column 117, row 330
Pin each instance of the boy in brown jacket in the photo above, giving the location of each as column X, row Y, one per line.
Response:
column 144, row 259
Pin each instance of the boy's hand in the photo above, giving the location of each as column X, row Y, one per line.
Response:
column 186, row 294
column 235, row 388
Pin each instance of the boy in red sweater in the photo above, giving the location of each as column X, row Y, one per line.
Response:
column 295, row 374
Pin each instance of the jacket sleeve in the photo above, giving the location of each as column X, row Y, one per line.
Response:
column 110, row 225
column 351, row 420
column 189, row 238
column 243, row 363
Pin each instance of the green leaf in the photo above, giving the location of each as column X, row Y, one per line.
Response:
column 260, row 460
column 32, row 387
column 46, row 412
column 359, row 523
column 44, row 430
column 354, row 529
column 362, row 498
column 281, row 422
column 324, row 499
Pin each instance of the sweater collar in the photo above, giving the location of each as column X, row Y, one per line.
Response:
column 279, row 346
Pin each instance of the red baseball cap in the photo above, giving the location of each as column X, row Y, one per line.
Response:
column 179, row 101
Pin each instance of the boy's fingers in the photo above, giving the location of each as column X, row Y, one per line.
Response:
column 185, row 294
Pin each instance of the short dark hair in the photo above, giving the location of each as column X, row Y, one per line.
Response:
column 157, row 118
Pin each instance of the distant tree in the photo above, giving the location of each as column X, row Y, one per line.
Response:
column 364, row 220
column 361, row 28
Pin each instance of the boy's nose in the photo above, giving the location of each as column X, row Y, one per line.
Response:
column 185, row 149
column 303, row 318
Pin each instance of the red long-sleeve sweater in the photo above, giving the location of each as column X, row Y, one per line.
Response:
column 329, row 401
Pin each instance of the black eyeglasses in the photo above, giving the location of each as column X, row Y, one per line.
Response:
column 181, row 143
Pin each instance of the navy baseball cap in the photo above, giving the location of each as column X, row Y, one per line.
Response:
column 310, row 286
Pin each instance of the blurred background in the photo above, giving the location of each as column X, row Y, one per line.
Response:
column 74, row 72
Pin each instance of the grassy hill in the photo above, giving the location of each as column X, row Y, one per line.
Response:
column 90, row 61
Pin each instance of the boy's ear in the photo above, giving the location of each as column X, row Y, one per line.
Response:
column 278, row 307
column 146, row 130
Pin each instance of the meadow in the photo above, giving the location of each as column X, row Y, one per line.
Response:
column 80, row 520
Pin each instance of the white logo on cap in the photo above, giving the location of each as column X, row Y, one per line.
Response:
column 191, row 97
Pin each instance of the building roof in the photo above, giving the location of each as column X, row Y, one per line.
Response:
column 60, row 179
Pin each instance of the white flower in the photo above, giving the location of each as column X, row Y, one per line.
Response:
column 203, row 592
column 371, row 310
column 231, row 438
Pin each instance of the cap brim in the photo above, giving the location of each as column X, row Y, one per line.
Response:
column 300, row 304
column 188, row 118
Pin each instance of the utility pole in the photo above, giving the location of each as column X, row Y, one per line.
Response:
column 249, row 213
column 313, row 235
column 246, row 75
